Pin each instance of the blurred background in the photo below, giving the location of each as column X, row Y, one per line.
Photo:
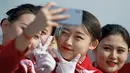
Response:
column 107, row 11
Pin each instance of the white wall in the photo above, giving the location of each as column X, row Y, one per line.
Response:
column 107, row 11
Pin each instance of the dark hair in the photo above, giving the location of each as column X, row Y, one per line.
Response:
column 114, row 29
column 15, row 13
column 53, row 31
column 92, row 25
column 2, row 21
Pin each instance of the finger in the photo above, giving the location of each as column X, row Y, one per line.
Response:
column 47, row 43
column 49, row 5
column 51, row 52
column 76, row 59
column 54, row 24
column 57, row 11
column 58, row 55
column 59, row 17
column 79, row 67
column 39, row 45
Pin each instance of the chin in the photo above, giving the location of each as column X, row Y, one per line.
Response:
column 68, row 58
column 111, row 70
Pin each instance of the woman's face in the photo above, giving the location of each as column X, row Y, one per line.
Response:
column 46, row 33
column 111, row 53
column 16, row 28
column 73, row 40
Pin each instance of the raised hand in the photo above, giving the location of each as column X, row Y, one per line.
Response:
column 66, row 66
column 44, row 61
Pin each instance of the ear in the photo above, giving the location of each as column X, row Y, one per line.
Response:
column 4, row 25
column 93, row 44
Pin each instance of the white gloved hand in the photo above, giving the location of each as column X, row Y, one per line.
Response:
column 83, row 70
column 44, row 61
column 27, row 66
column 66, row 66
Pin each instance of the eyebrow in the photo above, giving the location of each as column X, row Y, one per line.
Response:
column 120, row 47
column 64, row 28
column 80, row 33
column 45, row 30
column 24, row 24
column 107, row 45
column 112, row 46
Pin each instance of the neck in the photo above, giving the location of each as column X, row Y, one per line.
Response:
column 5, row 39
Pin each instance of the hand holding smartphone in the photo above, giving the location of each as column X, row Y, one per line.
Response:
column 75, row 16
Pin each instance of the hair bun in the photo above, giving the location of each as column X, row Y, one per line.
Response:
column 10, row 12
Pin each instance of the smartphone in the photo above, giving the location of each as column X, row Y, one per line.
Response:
column 75, row 16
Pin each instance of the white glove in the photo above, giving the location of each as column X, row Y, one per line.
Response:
column 27, row 65
column 83, row 70
column 44, row 61
column 66, row 66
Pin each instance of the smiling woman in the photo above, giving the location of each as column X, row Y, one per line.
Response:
column 18, row 30
column 75, row 40
column 113, row 49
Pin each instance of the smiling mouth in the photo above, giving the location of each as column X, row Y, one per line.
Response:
column 112, row 64
column 68, row 49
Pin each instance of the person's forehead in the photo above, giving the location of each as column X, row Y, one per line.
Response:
column 80, row 28
column 26, row 18
column 115, row 40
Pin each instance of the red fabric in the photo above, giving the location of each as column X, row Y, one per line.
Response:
column 29, row 65
column 9, row 57
column 125, row 68
column 87, row 64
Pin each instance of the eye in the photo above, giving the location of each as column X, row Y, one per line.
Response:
column 43, row 33
column 79, row 38
column 64, row 32
column 120, row 51
column 22, row 27
column 107, row 49
column 36, row 36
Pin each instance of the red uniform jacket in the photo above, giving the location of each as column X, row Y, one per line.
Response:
column 9, row 57
column 125, row 68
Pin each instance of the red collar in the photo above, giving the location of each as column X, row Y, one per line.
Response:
column 87, row 64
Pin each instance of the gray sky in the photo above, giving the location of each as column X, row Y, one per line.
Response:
column 107, row 11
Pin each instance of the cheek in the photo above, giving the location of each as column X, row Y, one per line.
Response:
column 81, row 47
column 34, row 44
column 101, row 56
column 122, row 58
column 61, row 41
column 17, row 31
column 44, row 38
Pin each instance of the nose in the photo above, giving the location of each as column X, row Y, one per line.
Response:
column 69, row 41
column 113, row 55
